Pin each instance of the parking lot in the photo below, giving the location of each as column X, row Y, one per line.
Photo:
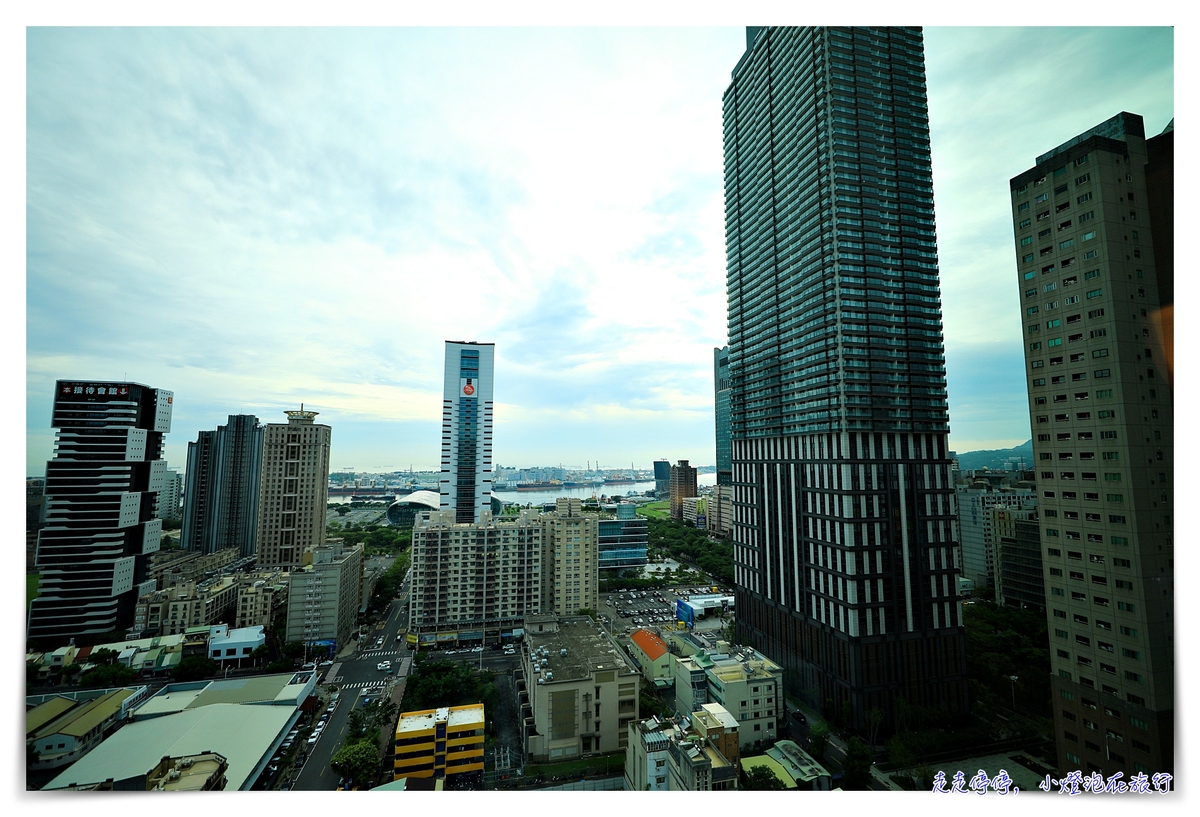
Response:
column 626, row 610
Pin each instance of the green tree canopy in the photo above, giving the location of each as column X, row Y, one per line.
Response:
column 357, row 760
column 194, row 667
column 761, row 778
column 857, row 767
column 108, row 675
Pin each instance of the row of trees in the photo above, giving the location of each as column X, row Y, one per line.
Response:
column 358, row 757
column 692, row 545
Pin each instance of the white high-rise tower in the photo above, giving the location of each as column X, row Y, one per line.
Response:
column 466, row 481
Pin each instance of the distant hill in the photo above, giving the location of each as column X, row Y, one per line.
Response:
column 997, row 459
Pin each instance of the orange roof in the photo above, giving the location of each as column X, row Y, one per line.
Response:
column 649, row 643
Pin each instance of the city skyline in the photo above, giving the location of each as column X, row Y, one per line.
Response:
column 582, row 231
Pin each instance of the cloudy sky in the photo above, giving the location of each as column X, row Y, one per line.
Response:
column 255, row 218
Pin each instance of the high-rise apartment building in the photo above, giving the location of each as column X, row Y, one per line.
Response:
column 977, row 539
column 1100, row 405
column 325, row 594
column 466, row 483
column 100, row 492
column 845, row 557
column 293, row 489
column 1018, row 546
column 474, row 581
column 624, row 540
column 220, row 502
column 721, row 414
column 570, row 559
column 683, row 485
column 170, row 497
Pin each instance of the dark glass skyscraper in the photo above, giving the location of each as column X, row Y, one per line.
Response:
column 845, row 551
column 100, row 497
column 220, row 502
column 721, row 414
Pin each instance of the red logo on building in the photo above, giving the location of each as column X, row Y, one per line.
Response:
column 468, row 389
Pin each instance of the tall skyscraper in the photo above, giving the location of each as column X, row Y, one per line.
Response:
column 1100, row 405
column 101, row 489
column 466, row 483
column 220, row 502
column 845, row 554
column 721, row 414
column 293, row 490
column 662, row 478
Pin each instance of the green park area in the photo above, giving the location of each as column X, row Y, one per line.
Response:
column 656, row 510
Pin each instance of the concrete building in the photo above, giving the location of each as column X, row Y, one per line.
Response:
column 474, row 581
column 294, row 489
column 261, row 597
column 651, row 655
column 226, row 646
column 695, row 511
column 1018, row 558
column 100, row 495
column 570, row 559
column 683, row 485
column 442, row 744
column 1098, row 363
column 721, row 389
column 581, row 693
column 624, row 540
column 685, row 753
column 170, row 497
column 748, row 684
column 61, row 730
column 169, row 568
column 324, row 594
column 976, row 499
column 845, row 558
column 466, row 481
column 719, row 516
column 35, row 518
column 220, row 501
column 175, row 609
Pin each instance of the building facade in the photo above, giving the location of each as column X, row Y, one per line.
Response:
column 662, row 479
column 1100, row 405
column 175, row 609
column 170, row 497
column 719, row 518
column 721, row 414
column 570, row 559
column 683, row 485
column 324, row 594
column 466, row 482
column 845, row 557
column 474, row 581
column 748, row 684
column 582, row 693
column 293, row 490
column 624, row 540
column 440, row 743
column 976, row 535
column 220, row 502
column 1018, row 558
column 100, row 498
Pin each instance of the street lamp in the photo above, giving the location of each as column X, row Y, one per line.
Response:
column 1013, row 680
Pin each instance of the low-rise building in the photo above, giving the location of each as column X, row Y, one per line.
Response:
column 650, row 653
column 440, row 743
column 61, row 730
column 748, row 684
column 184, row 605
column 227, row 645
column 581, row 693
column 720, row 510
column 261, row 597
column 695, row 752
column 695, row 511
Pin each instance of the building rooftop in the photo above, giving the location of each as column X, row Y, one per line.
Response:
column 426, row 719
column 45, row 712
column 245, row 735
column 587, row 650
column 653, row 646
column 779, row 771
column 718, row 715
column 85, row 717
column 799, row 764
column 285, row 688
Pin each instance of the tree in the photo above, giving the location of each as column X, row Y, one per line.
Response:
column 342, row 510
column 260, row 653
column 103, row 656
column 356, row 760
column 108, row 675
column 293, row 649
column 194, row 667
column 874, row 719
column 857, row 766
column 761, row 778
column 819, row 733
column 69, row 672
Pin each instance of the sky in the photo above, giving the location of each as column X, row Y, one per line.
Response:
column 256, row 218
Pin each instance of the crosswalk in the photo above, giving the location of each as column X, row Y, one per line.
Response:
column 384, row 653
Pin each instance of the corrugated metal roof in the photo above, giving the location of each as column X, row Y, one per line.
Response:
column 45, row 712
column 87, row 716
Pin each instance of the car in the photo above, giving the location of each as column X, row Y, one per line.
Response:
column 313, row 739
column 366, row 701
column 326, row 664
column 477, row 649
column 325, row 717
